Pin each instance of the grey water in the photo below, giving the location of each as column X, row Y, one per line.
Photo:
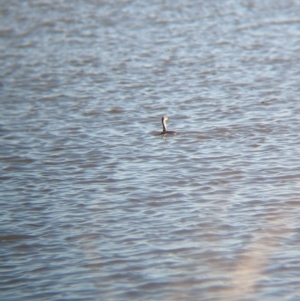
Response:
column 95, row 204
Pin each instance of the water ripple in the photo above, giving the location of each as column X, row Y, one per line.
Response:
column 96, row 204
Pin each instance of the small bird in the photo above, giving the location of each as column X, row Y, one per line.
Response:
column 164, row 124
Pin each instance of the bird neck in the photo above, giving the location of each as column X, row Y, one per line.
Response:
column 164, row 125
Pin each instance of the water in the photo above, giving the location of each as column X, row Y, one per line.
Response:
column 95, row 204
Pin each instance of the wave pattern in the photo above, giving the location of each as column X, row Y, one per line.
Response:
column 95, row 204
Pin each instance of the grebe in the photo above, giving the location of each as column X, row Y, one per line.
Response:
column 164, row 124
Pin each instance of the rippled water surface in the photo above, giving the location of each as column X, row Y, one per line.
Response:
column 95, row 204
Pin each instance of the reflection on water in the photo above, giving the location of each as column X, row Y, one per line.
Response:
column 96, row 204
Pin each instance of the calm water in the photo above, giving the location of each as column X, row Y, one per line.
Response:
column 95, row 205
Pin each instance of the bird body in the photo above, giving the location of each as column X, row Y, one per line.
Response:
column 164, row 124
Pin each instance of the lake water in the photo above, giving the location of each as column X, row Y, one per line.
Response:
column 95, row 204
